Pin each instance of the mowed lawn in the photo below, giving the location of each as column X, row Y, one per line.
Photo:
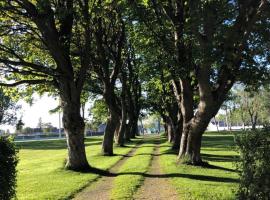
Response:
column 40, row 169
column 41, row 175
column 218, row 181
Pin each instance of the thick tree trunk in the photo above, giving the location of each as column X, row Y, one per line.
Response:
column 194, row 126
column 107, row 144
column 186, row 103
column 74, row 129
column 134, row 127
column 191, row 140
column 116, row 132
column 122, row 130
column 112, row 122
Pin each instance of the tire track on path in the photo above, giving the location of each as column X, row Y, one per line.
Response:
column 156, row 185
column 100, row 189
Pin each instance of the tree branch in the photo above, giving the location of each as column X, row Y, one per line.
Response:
column 29, row 82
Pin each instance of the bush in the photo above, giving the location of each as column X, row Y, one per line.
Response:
column 254, row 165
column 8, row 163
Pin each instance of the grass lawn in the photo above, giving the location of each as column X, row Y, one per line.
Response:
column 41, row 175
column 204, row 183
column 131, row 173
column 40, row 169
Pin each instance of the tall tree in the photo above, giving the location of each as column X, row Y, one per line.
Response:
column 108, row 61
column 212, row 45
column 48, row 42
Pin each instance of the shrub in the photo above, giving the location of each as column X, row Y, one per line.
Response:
column 254, row 165
column 8, row 163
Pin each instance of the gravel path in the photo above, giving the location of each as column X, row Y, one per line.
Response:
column 100, row 190
column 156, row 185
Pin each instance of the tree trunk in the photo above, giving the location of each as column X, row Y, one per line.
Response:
column 165, row 129
column 191, row 139
column 170, row 132
column 107, row 144
column 122, row 129
column 127, row 132
column 134, row 130
column 194, row 126
column 112, row 122
column 116, row 131
column 178, row 132
column 134, row 127
column 74, row 129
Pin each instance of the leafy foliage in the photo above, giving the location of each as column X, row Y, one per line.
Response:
column 99, row 113
column 8, row 163
column 253, row 166
column 8, row 108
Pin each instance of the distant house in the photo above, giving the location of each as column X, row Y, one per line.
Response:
column 102, row 127
column 212, row 126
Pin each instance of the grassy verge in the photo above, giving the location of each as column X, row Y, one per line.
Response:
column 131, row 173
column 201, row 183
column 40, row 170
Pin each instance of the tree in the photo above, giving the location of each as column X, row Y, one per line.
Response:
column 8, row 108
column 98, row 113
column 109, row 60
column 212, row 45
column 47, row 43
column 19, row 125
column 251, row 105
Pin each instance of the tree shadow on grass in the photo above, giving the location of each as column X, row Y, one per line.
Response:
column 209, row 166
column 220, row 158
column 172, row 175
column 178, row 175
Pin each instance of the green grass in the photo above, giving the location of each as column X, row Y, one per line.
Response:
column 200, row 183
column 41, row 175
column 131, row 174
column 40, row 169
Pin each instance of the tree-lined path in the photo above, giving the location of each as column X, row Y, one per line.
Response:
column 177, row 61
column 154, row 186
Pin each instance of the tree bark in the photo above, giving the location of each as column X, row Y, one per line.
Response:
column 112, row 122
column 134, row 127
column 178, row 132
column 107, row 144
column 170, row 132
column 123, row 126
column 74, row 127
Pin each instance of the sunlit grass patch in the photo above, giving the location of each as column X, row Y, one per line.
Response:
column 41, row 174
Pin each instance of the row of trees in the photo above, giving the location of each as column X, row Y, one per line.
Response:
column 178, row 58
column 247, row 107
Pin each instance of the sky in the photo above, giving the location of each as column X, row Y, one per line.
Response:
column 39, row 109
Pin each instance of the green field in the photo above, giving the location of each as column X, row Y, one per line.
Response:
column 41, row 174
column 214, row 182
